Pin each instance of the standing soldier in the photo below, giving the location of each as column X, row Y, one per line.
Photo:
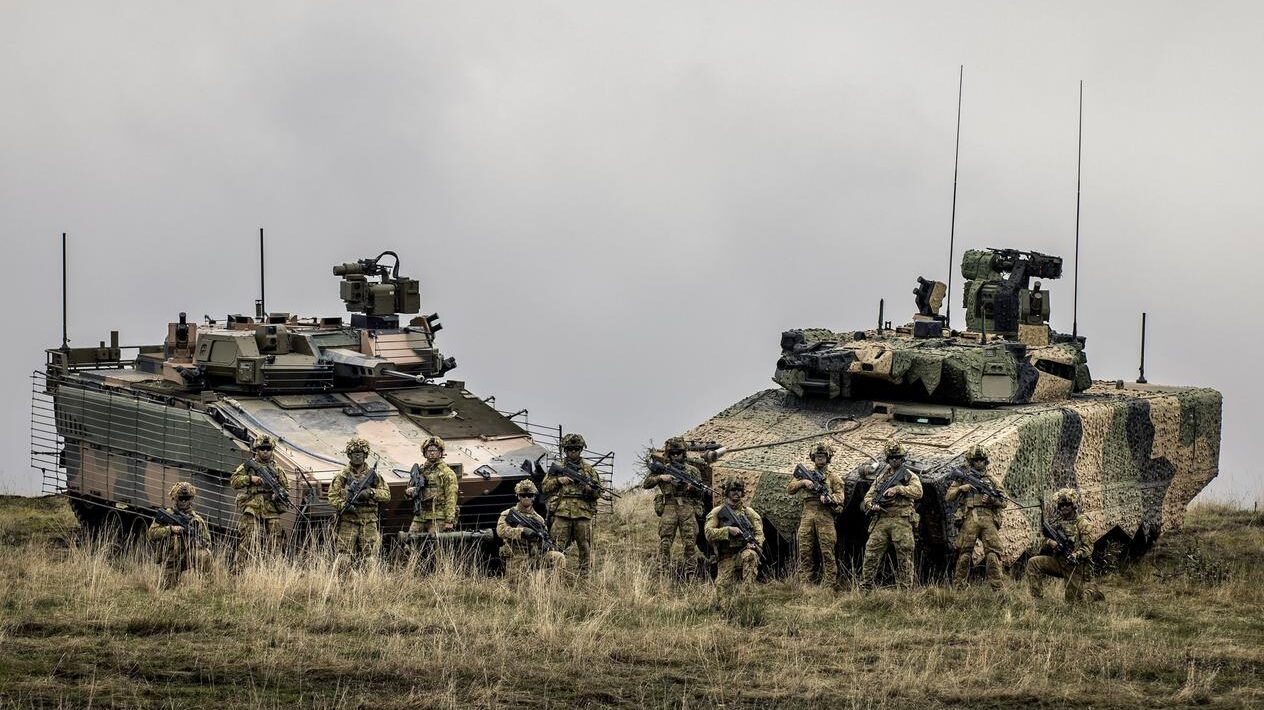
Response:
column 180, row 547
column 355, row 493
column 525, row 548
column 438, row 496
column 573, row 504
column 816, row 525
column 259, row 521
column 1072, row 561
column 678, row 506
column 892, row 518
column 980, row 518
column 737, row 550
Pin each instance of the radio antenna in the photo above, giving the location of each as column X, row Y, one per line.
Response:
column 260, row 310
column 952, row 228
column 65, row 339
column 1075, row 284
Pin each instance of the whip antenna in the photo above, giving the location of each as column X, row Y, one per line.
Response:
column 1075, row 282
column 65, row 339
column 260, row 310
column 952, row 228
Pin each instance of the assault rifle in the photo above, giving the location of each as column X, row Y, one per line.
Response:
column 980, row 485
column 813, row 476
column 1065, row 545
column 416, row 481
column 560, row 469
column 534, row 528
column 729, row 518
column 880, row 490
column 357, row 487
column 192, row 530
column 273, row 484
column 682, row 475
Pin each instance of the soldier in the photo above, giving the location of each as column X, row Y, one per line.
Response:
column 259, row 521
column 1072, row 565
column 180, row 547
column 816, row 525
column 738, row 559
column 980, row 518
column 892, row 518
column 678, row 506
column 357, row 533
column 573, row 504
column 438, row 496
column 523, row 550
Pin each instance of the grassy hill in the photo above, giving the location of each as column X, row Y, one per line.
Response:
column 83, row 624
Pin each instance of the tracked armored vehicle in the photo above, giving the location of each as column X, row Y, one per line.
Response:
column 1138, row 453
column 115, row 433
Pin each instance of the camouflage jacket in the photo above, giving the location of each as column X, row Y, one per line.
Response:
column 568, row 499
column 362, row 510
column 173, row 546
column 257, row 500
column 833, row 482
column 1080, row 533
column 902, row 502
column 439, row 497
column 725, row 542
column 675, row 489
column 512, row 536
column 973, row 499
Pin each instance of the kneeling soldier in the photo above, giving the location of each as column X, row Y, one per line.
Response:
column 259, row 524
column 1071, row 562
column 737, row 533
column 525, row 548
column 355, row 497
column 678, row 506
column 438, row 496
column 980, row 518
column 180, row 546
column 816, row 525
column 893, row 518
column 573, row 504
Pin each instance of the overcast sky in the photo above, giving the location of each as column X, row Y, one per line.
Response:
column 616, row 208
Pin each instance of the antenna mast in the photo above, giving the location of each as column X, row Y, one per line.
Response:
column 260, row 310
column 65, row 339
column 1075, row 285
column 952, row 229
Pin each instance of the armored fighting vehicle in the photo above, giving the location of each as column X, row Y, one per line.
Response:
column 115, row 433
column 1138, row 453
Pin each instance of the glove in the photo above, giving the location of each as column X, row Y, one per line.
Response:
column 366, row 494
column 530, row 534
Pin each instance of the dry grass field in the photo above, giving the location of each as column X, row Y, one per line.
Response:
column 82, row 625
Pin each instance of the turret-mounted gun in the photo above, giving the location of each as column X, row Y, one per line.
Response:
column 998, row 295
column 372, row 304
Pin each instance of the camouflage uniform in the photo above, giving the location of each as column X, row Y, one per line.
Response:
column 1076, row 570
column 736, row 563
column 439, row 497
column 572, row 507
column 357, row 534
column 892, row 524
column 816, row 524
column 259, row 521
column 678, row 507
column 980, row 519
column 175, row 553
column 521, row 555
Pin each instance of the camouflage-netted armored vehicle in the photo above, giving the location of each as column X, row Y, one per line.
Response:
column 116, row 433
column 1137, row 452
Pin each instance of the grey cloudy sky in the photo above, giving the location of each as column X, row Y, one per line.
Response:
column 618, row 207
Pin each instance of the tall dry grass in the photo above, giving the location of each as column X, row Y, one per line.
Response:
column 86, row 625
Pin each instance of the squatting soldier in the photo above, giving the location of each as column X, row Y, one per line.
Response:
column 678, row 506
column 892, row 518
column 439, row 496
column 523, row 550
column 816, row 526
column 1071, row 564
column 180, row 547
column 259, row 522
column 357, row 534
column 980, row 518
column 573, row 504
column 738, row 557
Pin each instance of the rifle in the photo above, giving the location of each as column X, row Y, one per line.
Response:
column 682, row 475
column 278, row 491
column 191, row 527
column 729, row 518
column 560, row 469
column 819, row 486
column 879, row 492
column 516, row 519
column 357, row 487
column 980, row 485
column 1065, row 545
column 416, row 481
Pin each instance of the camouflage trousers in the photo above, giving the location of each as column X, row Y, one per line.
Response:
column 420, row 525
column 985, row 526
column 816, row 528
column 564, row 531
column 678, row 517
column 1076, row 576
column 256, row 535
column 518, row 565
column 735, row 568
column 358, row 539
column 895, row 532
column 175, row 565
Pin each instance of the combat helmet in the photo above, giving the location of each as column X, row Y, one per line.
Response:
column 263, row 441
column 433, row 441
column 571, row 441
column 357, row 444
column 1066, row 496
column 183, row 489
column 525, row 486
column 733, row 484
column 821, row 447
column 896, row 450
column 978, row 453
column 675, row 443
